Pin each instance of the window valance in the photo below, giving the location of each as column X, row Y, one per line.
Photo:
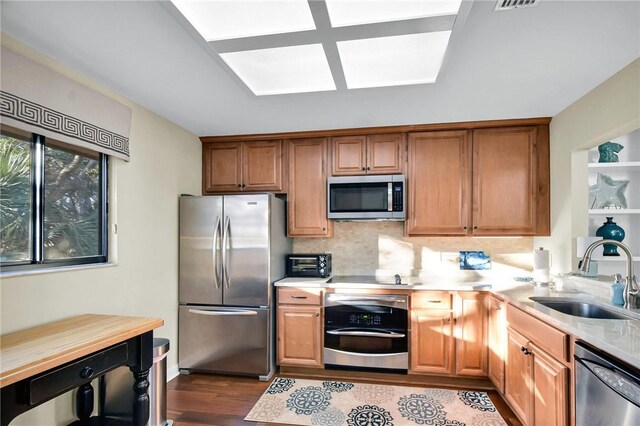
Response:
column 40, row 100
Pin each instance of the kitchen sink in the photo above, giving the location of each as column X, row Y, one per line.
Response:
column 580, row 309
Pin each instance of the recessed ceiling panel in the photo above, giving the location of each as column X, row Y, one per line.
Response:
column 292, row 69
column 227, row 19
column 393, row 61
column 344, row 13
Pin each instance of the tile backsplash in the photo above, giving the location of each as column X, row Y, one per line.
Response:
column 380, row 248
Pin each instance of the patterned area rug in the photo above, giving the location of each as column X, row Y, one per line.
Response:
column 330, row 403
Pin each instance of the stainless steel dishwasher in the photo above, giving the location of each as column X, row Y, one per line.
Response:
column 607, row 390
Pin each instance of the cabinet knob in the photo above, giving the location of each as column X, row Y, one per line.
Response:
column 464, row 227
column 368, row 168
column 317, row 314
column 525, row 351
column 86, row 373
column 498, row 308
column 447, row 319
column 475, row 227
column 239, row 186
column 324, row 229
column 363, row 168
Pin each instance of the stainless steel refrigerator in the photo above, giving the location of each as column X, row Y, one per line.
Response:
column 232, row 249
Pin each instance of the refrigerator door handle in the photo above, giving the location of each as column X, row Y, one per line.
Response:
column 238, row 312
column 217, row 267
column 225, row 253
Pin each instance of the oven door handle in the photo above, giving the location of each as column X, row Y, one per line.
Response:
column 390, row 335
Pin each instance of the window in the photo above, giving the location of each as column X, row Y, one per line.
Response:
column 53, row 202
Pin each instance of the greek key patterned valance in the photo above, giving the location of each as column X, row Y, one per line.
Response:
column 40, row 100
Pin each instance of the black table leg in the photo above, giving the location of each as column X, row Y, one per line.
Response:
column 141, row 398
column 84, row 403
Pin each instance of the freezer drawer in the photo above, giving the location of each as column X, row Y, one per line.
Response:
column 225, row 340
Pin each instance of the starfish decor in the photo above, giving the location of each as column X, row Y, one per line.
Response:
column 608, row 192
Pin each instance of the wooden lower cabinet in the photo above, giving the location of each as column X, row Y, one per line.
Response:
column 551, row 383
column 299, row 335
column 432, row 341
column 518, row 383
column 471, row 334
column 496, row 341
column 449, row 336
column 536, row 384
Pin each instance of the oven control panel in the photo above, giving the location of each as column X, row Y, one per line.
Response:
column 365, row 319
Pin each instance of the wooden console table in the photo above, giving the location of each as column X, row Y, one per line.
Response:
column 43, row 362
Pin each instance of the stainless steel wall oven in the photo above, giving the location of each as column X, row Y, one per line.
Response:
column 366, row 332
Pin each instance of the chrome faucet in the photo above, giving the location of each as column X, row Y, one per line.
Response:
column 631, row 299
column 398, row 279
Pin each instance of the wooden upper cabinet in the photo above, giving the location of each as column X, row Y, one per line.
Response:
column 373, row 154
column 439, row 183
column 492, row 181
column 307, row 196
column 262, row 166
column 504, row 181
column 242, row 166
column 349, row 155
column 222, row 167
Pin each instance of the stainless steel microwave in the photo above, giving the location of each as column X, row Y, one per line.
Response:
column 366, row 197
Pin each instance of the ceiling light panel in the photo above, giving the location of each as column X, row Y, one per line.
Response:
column 393, row 61
column 292, row 69
column 227, row 19
column 344, row 13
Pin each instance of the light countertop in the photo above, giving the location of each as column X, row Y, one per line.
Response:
column 620, row 338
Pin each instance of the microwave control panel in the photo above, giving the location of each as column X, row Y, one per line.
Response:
column 397, row 197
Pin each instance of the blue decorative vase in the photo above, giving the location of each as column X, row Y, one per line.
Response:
column 610, row 231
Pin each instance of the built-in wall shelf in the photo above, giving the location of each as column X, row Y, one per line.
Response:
column 613, row 212
column 626, row 168
column 621, row 258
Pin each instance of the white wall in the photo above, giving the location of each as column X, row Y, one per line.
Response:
column 165, row 162
column 610, row 110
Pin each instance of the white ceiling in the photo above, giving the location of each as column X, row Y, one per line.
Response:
column 528, row 62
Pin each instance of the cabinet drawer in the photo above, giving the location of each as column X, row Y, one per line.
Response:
column 549, row 339
column 75, row 374
column 431, row 300
column 299, row 296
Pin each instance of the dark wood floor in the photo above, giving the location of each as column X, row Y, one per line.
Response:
column 202, row 399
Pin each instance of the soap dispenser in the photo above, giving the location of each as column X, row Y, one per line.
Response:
column 617, row 291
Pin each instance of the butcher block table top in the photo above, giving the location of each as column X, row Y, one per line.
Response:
column 38, row 349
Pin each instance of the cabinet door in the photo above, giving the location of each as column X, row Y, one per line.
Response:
column 300, row 335
column 385, row 154
column 307, row 196
column 432, row 343
column 497, row 338
column 262, row 166
column 439, row 183
column 504, row 181
column 471, row 334
column 518, row 386
column 551, row 391
column 221, row 166
column 349, row 155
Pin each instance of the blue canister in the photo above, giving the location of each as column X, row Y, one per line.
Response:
column 617, row 291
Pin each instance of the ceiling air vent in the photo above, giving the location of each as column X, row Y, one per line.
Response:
column 514, row 4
